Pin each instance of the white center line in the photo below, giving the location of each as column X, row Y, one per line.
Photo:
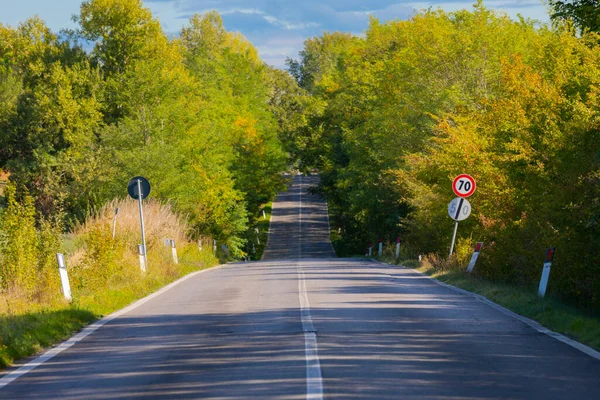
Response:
column 314, row 379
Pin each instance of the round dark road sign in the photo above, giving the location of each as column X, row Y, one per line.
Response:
column 132, row 187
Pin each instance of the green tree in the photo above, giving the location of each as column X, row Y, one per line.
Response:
column 585, row 14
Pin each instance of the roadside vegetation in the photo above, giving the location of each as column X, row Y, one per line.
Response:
column 82, row 112
column 413, row 103
column 104, row 272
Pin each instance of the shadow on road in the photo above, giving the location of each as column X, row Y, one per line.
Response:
column 382, row 340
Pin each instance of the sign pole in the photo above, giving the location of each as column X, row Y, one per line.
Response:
column 458, row 210
column 139, row 185
column 453, row 238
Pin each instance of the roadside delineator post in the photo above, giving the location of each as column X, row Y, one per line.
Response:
column 174, row 251
column 546, row 272
column 142, row 254
column 474, row 257
column 64, row 276
column 370, row 249
column 380, row 252
column 398, row 247
column 214, row 245
column 114, row 227
column 257, row 235
column 200, row 244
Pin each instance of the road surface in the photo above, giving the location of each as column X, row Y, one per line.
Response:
column 301, row 324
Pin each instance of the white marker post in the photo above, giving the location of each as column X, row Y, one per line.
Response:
column 174, row 251
column 64, row 276
column 200, row 244
column 264, row 215
column 142, row 255
column 546, row 272
column 214, row 245
column 370, row 249
column 114, row 230
column 398, row 247
column 474, row 257
column 380, row 247
column 257, row 235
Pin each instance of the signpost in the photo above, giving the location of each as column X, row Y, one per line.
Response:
column 398, row 247
column 139, row 188
column 459, row 209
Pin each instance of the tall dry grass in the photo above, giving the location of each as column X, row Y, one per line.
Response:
column 100, row 261
column 159, row 219
column 104, row 273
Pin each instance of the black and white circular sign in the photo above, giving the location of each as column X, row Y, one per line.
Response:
column 464, row 185
column 459, row 209
column 132, row 187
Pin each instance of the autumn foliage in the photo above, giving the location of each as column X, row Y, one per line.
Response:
column 415, row 103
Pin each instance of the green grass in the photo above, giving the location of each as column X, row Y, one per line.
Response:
column 26, row 327
column 263, row 229
column 27, row 334
column 549, row 312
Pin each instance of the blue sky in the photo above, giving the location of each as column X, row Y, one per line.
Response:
column 276, row 27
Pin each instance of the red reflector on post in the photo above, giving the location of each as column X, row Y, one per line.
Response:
column 478, row 247
column 550, row 254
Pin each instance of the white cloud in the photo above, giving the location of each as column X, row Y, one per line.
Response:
column 289, row 25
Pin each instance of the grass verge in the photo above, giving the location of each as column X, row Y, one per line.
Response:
column 27, row 328
column 550, row 312
column 262, row 225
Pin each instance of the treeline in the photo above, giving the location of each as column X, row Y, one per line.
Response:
column 199, row 115
column 403, row 110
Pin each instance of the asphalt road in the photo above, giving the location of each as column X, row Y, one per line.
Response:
column 301, row 324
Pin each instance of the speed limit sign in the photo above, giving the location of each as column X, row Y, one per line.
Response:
column 464, row 185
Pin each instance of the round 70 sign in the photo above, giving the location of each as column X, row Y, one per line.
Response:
column 464, row 185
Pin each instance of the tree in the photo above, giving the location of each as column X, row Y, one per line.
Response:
column 585, row 14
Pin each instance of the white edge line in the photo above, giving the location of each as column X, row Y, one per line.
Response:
column 329, row 226
column 13, row 375
column 535, row 325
